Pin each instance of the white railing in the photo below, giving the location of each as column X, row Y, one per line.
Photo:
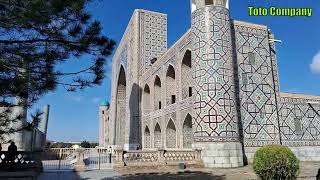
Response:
column 65, row 159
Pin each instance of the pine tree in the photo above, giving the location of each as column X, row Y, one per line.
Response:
column 35, row 37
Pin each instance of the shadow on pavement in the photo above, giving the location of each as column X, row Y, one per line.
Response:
column 67, row 175
column 179, row 175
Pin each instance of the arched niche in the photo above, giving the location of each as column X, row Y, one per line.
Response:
column 121, row 100
column 170, row 85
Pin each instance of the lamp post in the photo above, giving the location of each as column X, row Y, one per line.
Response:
column 272, row 41
column 275, row 40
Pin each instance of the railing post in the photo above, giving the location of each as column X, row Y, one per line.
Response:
column 80, row 165
column 119, row 161
column 99, row 156
column 60, row 156
column 198, row 153
column 37, row 159
column 161, row 158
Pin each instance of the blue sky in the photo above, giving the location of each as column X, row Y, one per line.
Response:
column 74, row 116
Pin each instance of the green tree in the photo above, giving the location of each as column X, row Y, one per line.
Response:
column 93, row 145
column 36, row 38
column 85, row 144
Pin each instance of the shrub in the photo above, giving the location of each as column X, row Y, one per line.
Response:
column 275, row 162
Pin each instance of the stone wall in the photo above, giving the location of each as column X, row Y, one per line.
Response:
column 303, row 153
column 221, row 154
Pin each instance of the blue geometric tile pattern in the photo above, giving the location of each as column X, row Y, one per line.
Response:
column 215, row 107
column 257, row 92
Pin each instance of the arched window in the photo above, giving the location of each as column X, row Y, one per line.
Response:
column 208, row 2
column 187, row 132
column 157, row 137
column 171, row 85
column 147, row 138
column 157, row 93
column 146, row 99
column 186, row 75
column 121, row 99
column 171, row 135
column 223, row 3
column 252, row 58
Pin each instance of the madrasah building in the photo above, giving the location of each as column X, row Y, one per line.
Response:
column 215, row 89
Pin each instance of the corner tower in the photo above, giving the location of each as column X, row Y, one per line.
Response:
column 104, row 121
column 215, row 122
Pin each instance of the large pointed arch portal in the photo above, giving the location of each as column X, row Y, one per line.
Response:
column 121, row 107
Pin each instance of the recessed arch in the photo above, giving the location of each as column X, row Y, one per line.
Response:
column 170, row 85
column 171, row 135
column 208, row 2
column 186, row 75
column 157, row 136
column 121, row 101
column 147, row 138
column 157, row 93
column 186, row 60
column 171, row 72
column 146, row 99
column 187, row 132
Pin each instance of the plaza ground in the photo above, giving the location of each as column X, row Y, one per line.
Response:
column 308, row 170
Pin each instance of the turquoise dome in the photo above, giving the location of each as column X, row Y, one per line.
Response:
column 105, row 103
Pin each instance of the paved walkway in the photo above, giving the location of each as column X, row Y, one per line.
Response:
column 69, row 175
column 308, row 171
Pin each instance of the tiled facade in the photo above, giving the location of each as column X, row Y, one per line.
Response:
column 216, row 88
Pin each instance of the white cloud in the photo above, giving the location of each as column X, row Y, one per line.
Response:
column 315, row 65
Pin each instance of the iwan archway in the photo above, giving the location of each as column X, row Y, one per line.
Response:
column 121, row 107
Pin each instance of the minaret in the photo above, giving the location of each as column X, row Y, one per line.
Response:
column 43, row 125
column 104, row 133
column 19, row 113
column 215, row 122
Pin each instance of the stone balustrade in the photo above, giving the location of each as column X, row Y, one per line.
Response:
column 181, row 155
column 156, row 157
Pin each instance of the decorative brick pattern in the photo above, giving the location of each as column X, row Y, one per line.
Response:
column 215, row 107
column 154, row 37
column 147, row 138
column 170, row 84
column 299, row 112
column 157, row 93
column 256, row 86
column 171, row 135
column 157, row 136
column 121, row 106
column 186, row 75
column 187, row 132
